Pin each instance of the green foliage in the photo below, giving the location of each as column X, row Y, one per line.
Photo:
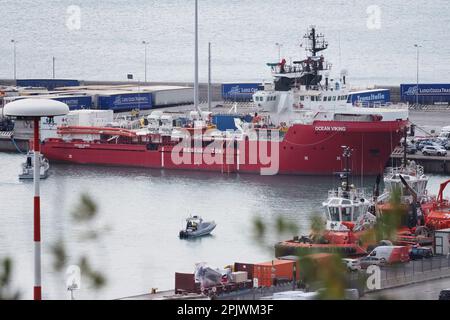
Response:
column 389, row 222
column 97, row 279
column 86, row 210
column 85, row 213
column 59, row 255
column 6, row 292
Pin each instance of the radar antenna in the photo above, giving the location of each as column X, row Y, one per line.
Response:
column 315, row 42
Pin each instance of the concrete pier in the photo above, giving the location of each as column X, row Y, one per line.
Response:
column 439, row 165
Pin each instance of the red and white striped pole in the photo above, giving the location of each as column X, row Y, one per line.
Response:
column 37, row 212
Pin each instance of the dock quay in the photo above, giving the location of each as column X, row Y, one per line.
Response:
column 431, row 164
column 414, row 273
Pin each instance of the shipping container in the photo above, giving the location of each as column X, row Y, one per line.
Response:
column 75, row 102
column 166, row 97
column 240, row 92
column 370, row 98
column 50, row 84
column 125, row 101
column 269, row 273
column 428, row 94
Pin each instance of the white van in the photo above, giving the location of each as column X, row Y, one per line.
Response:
column 385, row 255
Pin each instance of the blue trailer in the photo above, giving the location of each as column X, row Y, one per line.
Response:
column 125, row 101
column 370, row 98
column 240, row 92
column 49, row 84
column 75, row 102
column 434, row 93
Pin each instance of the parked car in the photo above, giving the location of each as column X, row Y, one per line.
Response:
column 6, row 124
column 411, row 148
column 446, row 144
column 445, row 295
column 434, row 151
column 420, row 253
column 352, row 264
column 368, row 261
column 424, row 143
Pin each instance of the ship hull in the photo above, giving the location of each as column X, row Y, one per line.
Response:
column 304, row 150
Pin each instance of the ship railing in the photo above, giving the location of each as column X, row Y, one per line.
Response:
column 411, row 170
column 352, row 194
column 299, row 68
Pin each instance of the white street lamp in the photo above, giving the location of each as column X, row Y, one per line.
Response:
column 418, row 56
column 14, row 42
column 145, row 43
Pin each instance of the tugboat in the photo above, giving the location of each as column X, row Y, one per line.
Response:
column 412, row 173
column 348, row 213
column 196, row 228
column 28, row 167
column 438, row 216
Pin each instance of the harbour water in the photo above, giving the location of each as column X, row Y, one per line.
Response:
column 141, row 212
column 102, row 39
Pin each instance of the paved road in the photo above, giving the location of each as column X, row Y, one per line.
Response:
column 422, row 291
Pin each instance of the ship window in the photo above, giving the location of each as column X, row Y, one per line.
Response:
column 334, row 214
column 334, row 98
column 319, row 98
column 347, row 214
column 302, row 98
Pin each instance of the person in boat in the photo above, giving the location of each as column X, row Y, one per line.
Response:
column 257, row 120
column 283, row 66
column 29, row 161
column 321, row 62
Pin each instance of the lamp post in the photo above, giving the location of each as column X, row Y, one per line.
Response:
column 14, row 42
column 196, row 84
column 279, row 45
column 209, row 77
column 145, row 43
column 418, row 56
column 53, row 65
column 35, row 109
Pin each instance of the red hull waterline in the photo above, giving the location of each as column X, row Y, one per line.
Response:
column 305, row 150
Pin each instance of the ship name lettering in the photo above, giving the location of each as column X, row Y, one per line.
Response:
column 334, row 129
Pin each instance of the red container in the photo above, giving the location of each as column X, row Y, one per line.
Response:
column 268, row 272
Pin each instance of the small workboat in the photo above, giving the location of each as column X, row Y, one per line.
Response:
column 28, row 167
column 196, row 228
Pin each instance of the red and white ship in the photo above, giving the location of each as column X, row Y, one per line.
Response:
column 304, row 121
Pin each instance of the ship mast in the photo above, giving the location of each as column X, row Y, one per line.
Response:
column 346, row 153
column 316, row 42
